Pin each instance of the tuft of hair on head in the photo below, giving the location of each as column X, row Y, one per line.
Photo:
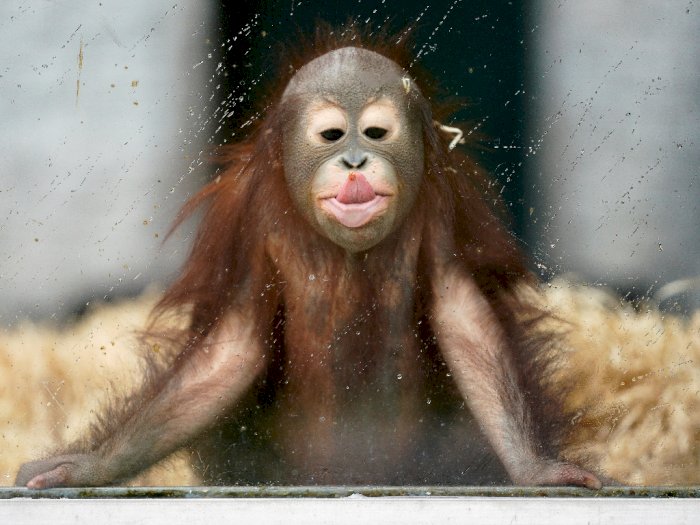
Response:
column 397, row 46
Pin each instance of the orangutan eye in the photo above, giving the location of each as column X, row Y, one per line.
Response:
column 380, row 121
column 333, row 134
column 375, row 133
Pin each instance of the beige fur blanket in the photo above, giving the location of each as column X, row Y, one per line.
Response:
column 636, row 376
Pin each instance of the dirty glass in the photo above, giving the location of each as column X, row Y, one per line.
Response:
column 585, row 115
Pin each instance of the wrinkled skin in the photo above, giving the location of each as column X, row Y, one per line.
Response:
column 73, row 470
column 356, row 112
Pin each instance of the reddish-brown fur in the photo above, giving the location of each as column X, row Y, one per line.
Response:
column 253, row 249
column 355, row 389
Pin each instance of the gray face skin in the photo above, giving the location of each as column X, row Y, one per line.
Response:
column 353, row 146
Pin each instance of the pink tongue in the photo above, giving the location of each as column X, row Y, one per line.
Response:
column 356, row 190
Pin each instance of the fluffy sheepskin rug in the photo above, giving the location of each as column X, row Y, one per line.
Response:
column 635, row 377
column 636, row 386
column 54, row 378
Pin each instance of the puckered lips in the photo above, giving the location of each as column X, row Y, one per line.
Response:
column 356, row 204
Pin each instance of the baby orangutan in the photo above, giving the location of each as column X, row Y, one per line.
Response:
column 353, row 312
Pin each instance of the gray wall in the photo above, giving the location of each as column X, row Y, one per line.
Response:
column 102, row 111
column 615, row 160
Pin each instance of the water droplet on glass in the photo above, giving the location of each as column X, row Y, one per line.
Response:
column 399, row 377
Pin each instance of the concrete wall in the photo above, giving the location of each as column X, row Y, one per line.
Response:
column 102, row 119
column 614, row 153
